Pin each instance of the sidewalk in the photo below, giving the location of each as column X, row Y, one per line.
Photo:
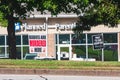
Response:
column 60, row 72
column 54, row 77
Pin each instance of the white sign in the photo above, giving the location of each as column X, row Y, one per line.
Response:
column 27, row 27
column 43, row 27
column 65, row 27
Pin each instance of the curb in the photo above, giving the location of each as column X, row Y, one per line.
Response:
column 76, row 72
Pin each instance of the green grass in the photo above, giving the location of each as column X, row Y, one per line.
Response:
column 54, row 64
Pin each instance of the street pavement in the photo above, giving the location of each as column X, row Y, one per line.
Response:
column 54, row 77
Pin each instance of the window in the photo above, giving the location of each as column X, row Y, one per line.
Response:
column 2, row 51
column 2, row 40
column 89, row 40
column 110, row 53
column 78, row 39
column 110, row 37
column 25, row 51
column 95, row 54
column 64, row 39
column 43, row 37
column 56, row 39
column 18, row 40
column 25, row 39
column 80, row 51
column 18, row 52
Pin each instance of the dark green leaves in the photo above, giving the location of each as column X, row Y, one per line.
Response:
column 3, row 22
column 100, row 12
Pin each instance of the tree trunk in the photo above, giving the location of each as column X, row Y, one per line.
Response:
column 11, row 37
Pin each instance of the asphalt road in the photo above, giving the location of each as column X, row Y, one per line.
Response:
column 54, row 77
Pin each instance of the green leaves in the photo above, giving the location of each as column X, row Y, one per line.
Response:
column 99, row 12
column 3, row 22
column 108, row 12
column 91, row 12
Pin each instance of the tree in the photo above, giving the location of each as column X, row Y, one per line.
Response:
column 13, row 10
column 91, row 13
column 106, row 12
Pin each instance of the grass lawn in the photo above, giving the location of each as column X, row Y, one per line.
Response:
column 54, row 64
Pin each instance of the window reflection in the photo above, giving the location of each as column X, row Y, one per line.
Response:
column 110, row 37
column 89, row 40
column 18, row 40
column 18, row 52
column 110, row 53
column 25, row 39
column 2, row 40
column 78, row 39
column 2, row 51
column 78, row 45
column 64, row 39
column 25, row 50
column 80, row 51
column 95, row 54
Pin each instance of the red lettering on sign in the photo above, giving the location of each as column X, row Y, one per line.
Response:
column 41, row 43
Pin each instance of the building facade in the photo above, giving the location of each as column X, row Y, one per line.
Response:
column 52, row 37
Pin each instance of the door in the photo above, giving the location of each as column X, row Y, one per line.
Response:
column 64, row 52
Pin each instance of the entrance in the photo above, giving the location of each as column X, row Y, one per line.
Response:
column 64, row 52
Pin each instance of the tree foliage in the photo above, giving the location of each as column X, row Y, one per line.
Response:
column 3, row 22
column 13, row 10
column 106, row 12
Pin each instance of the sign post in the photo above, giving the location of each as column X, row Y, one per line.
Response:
column 98, row 43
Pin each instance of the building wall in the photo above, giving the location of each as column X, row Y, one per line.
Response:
column 51, row 45
column 103, row 29
column 61, row 21
column 52, row 31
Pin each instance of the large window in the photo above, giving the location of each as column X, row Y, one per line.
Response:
column 18, row 40
column 78, row 39
column 25, row 39
column 18, row 52
column 25, row 50
column 2, row 40
column 25, row 45
column 64, row 39
column 89, row 38
column 110, row 37
column 81, row 45
column 95, row 54
column 2, row 51
column 110, row 53
column 2, row 46
column 80, row 51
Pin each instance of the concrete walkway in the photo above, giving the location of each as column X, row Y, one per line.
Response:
column 60, row 72
column 54, row 77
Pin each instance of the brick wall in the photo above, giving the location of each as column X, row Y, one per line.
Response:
column 51, row 45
